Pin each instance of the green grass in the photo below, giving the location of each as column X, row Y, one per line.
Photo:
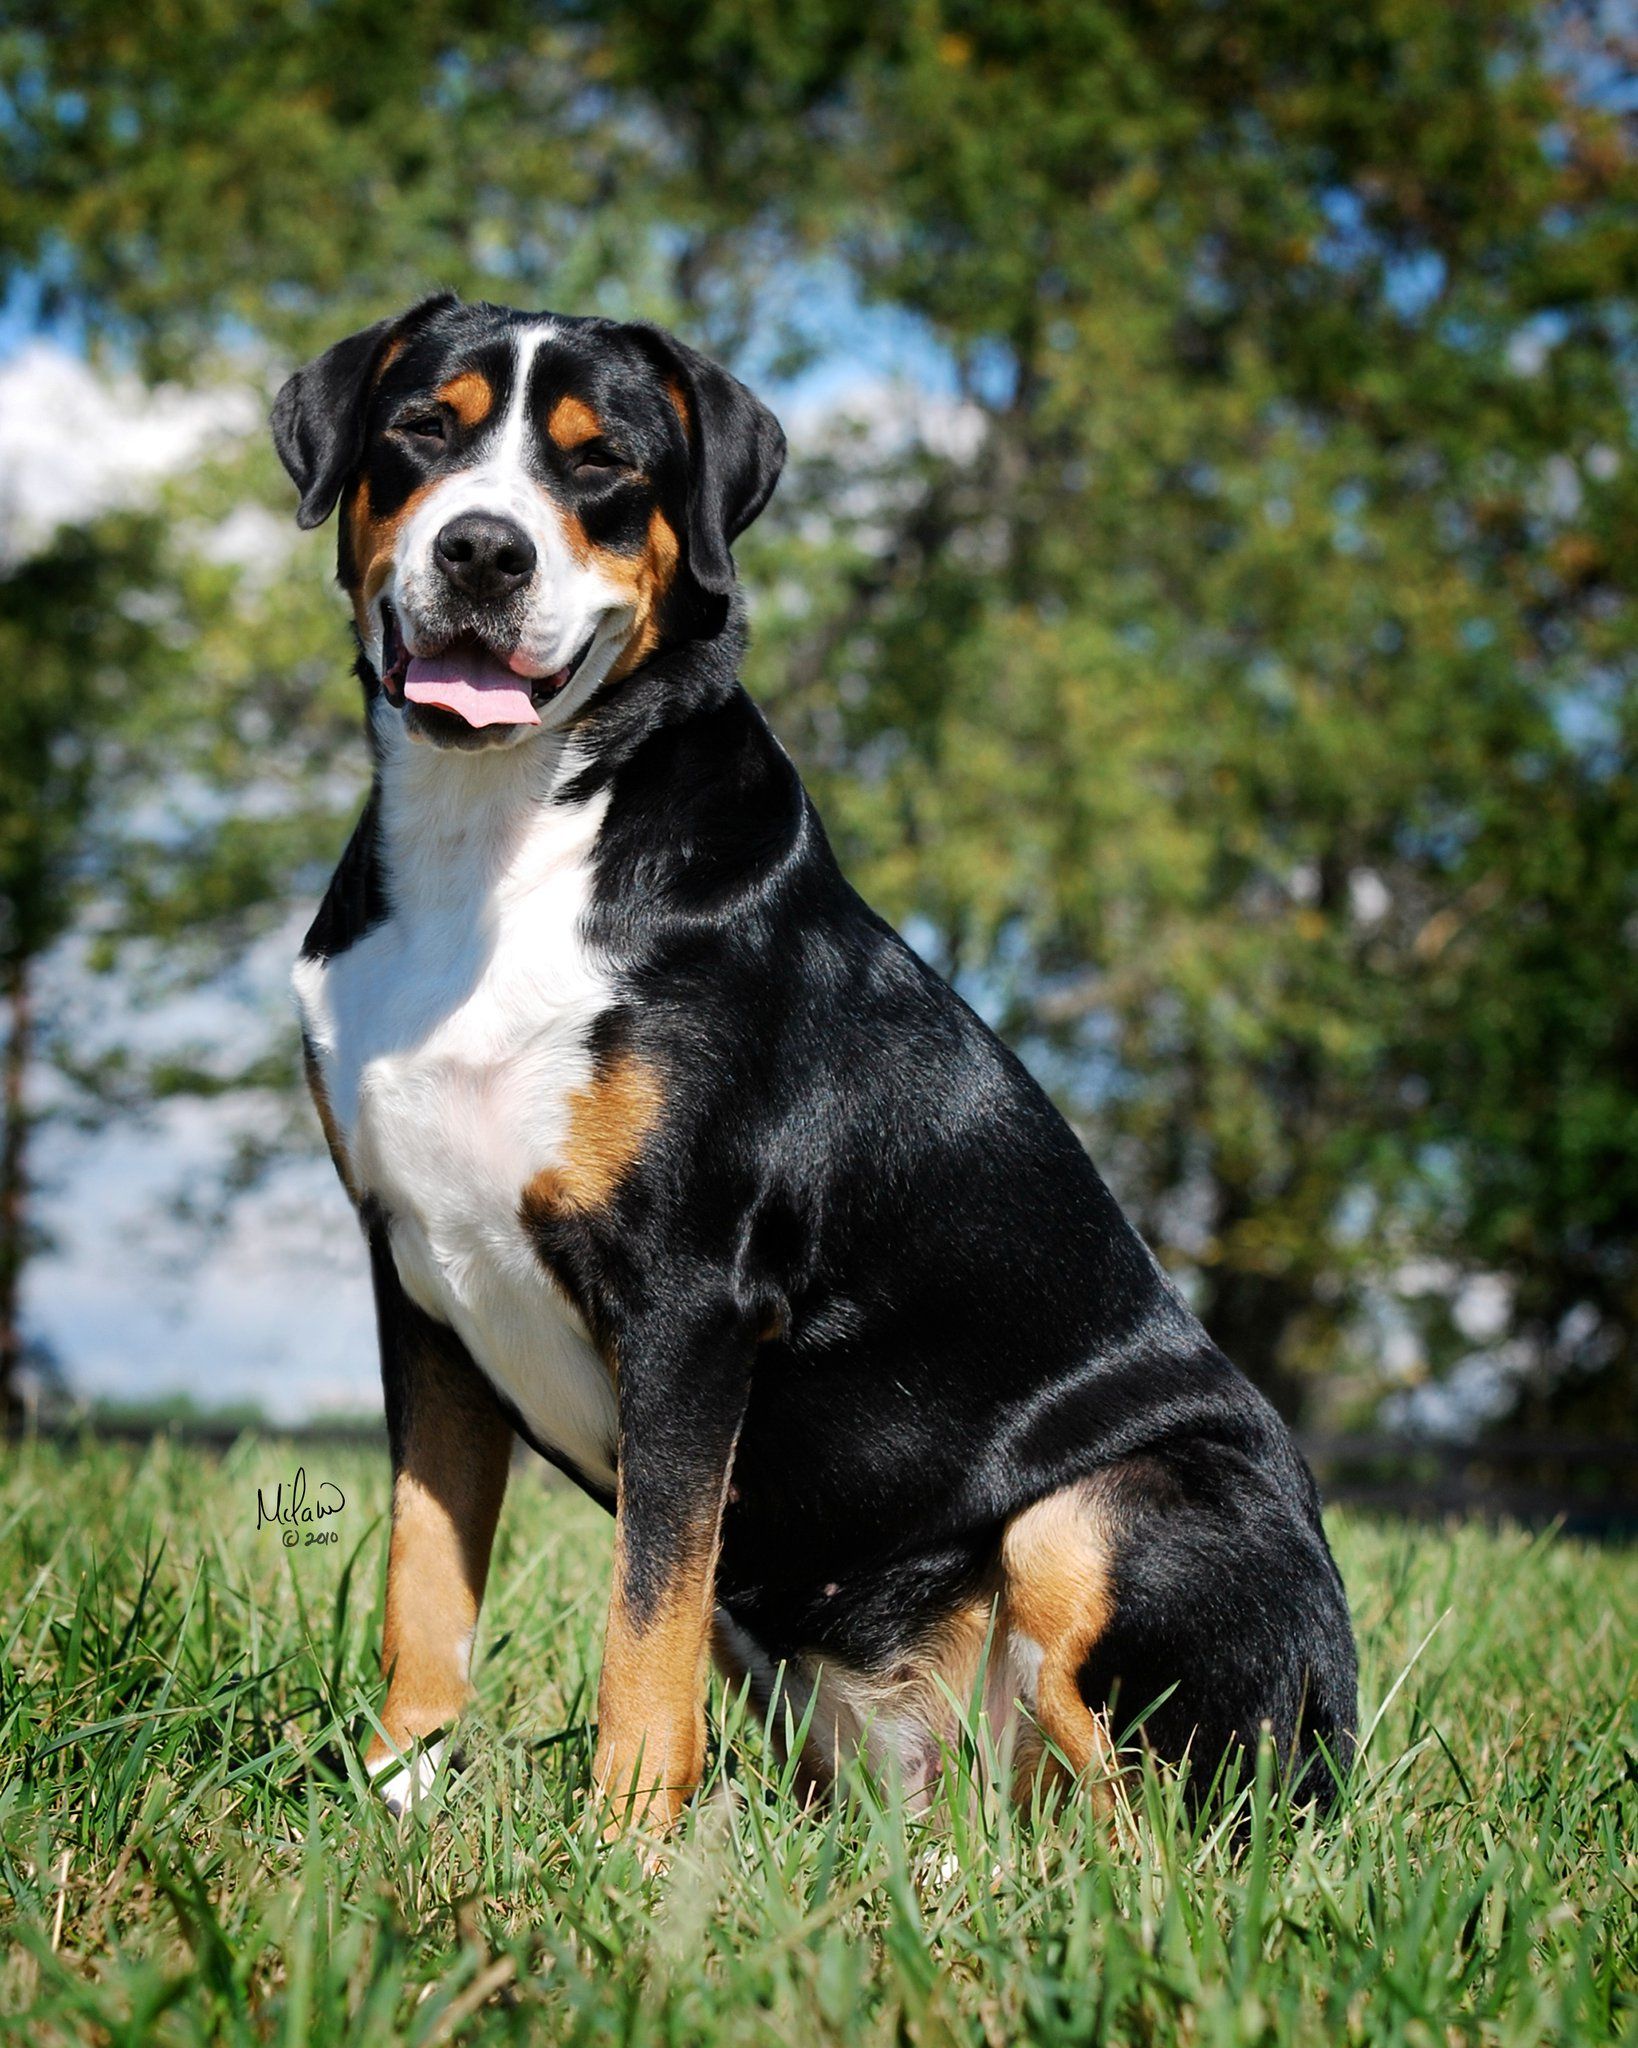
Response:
column 187, row 1852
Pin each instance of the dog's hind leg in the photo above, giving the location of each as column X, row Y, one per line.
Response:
column 451, row 1448
column 1057, row 1599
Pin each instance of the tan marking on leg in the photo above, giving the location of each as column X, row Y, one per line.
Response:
column 470, row 397
column 608, row 1122
column 1012, row 1653
column 571, row 422
column 651, row 1698
column 1058, row 1592
column 446, row 1500
column 331, row 1129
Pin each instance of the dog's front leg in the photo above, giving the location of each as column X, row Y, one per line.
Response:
column 451, row 1449
column 682, row 1397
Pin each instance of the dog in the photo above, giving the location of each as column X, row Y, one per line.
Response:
column 675, row 1161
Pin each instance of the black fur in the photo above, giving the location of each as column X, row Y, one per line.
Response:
column 319, row 415
column 863, row 1260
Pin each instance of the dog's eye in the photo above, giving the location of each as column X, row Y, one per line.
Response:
column 425, row 426
column 589, row 460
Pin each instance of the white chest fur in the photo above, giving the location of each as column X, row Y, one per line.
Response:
column 450, row 1039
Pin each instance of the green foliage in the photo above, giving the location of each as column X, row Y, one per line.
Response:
column 189, row 1853
column 78, row 669
column 1253, row 713
column 209, row 160
column 1239, row 699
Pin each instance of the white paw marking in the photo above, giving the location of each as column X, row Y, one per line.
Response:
column 411, row 1778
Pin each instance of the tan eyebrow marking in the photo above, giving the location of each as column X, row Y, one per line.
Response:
column 571, row 421
column 679, row 399
column 470, row 396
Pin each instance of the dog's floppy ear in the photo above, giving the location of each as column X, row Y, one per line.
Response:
column 736, row 450
column 318, row 417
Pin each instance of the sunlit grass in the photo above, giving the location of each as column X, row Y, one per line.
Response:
column 188, row 1851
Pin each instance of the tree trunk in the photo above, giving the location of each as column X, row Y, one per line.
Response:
column 13, row 1182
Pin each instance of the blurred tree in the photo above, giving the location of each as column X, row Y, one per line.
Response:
column 77, row 664
column 1232, row 683
column 1246, row 703
column 194, row 188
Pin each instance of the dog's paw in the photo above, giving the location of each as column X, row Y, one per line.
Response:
column 404, row 1781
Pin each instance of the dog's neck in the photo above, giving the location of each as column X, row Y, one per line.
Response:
column 463, row 828
column 459, row 826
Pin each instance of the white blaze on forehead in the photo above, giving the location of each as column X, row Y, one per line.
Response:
column 569, row 602
column 499, row 481
column 514, row 432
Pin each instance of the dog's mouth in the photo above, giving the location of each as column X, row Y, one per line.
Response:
column 466, row 678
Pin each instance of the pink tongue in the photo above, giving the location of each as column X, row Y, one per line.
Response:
column 474, row 685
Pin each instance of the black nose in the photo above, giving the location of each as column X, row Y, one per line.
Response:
column 484, row 555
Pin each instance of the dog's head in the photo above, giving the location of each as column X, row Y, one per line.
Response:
column 531, row 505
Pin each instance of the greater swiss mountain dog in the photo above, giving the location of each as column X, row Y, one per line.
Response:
column 676, row 1161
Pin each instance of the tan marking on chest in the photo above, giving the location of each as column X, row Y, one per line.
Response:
column 608, row 1121
column 470, row 397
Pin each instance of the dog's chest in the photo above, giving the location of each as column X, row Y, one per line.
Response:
column 452, row 1040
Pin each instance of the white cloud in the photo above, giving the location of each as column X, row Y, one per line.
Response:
column 251, row 538
column 277, row 1310
column 889, row 413
column 1484, row 1307
column 75, row 442
column 1369, row 897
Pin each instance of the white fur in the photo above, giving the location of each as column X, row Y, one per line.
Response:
column 896, row 1731
column 569, row 603
column 449, row 1040
column 404, row 1782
